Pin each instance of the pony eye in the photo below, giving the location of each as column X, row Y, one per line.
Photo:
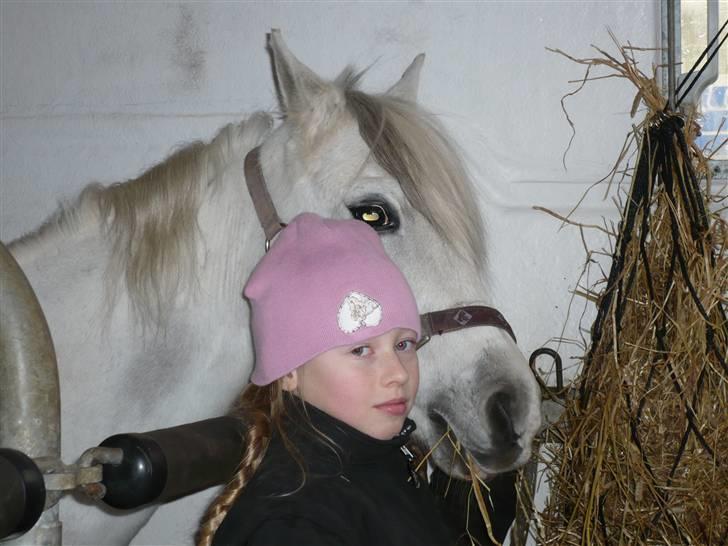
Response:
column 378, row 215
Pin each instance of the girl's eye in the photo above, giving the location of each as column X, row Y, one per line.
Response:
column 361, row 351
column 406, row 345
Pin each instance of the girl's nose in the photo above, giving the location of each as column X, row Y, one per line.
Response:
column 395, row 370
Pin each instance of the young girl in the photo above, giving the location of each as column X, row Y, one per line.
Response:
column 335, row 329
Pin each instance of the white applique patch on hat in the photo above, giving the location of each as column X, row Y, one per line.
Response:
column 357, row 311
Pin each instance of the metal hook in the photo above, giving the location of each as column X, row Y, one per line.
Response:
column 550, row 391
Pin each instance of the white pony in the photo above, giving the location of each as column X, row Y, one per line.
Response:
column 141, row 281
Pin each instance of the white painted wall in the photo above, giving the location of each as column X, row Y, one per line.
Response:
column 100, row 91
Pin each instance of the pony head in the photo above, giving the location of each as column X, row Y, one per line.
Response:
column 383, row 159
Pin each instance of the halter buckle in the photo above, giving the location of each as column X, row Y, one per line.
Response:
column 424, row 340
column 268, row 242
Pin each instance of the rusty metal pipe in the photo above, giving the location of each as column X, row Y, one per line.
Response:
column 30, row 402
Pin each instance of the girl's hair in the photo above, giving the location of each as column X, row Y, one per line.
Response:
column 263, row 408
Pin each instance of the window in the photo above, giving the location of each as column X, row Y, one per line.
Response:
column 696, row 23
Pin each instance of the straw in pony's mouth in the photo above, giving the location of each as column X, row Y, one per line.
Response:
column 474, row 474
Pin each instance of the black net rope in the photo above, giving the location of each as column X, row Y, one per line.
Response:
column 659, row 272
column 664, row 152
column 664, row 162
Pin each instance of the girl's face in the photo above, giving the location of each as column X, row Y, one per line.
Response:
column 370, row 386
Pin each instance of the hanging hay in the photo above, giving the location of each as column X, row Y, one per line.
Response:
column 640, row 454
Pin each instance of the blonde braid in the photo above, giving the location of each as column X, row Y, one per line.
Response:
column 262, row 407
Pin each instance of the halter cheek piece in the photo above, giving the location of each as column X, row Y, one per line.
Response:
column 434, row 323
column 264, row 207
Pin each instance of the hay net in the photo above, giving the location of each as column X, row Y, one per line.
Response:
column 640, row 454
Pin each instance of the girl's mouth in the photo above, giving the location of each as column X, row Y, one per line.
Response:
column 397, row 406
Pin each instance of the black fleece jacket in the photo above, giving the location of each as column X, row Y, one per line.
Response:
column 358, row 491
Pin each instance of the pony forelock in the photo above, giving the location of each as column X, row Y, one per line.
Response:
column 413, row 147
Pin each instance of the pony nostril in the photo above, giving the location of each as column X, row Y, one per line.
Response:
column 499, row 410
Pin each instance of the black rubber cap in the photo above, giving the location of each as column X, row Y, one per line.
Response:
column 140, row 477
column 22, row 494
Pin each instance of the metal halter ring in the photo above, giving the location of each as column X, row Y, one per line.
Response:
column 269, row 241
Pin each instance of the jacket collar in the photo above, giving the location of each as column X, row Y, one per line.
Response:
column 307, row 422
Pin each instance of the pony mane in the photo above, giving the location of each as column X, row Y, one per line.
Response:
column 412, row 146
column 152, row 220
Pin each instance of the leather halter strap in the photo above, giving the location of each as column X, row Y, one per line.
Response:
column 435, row 323
column 458, row 318
column 264, row 207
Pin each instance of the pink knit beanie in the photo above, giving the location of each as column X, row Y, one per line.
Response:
column 323, row 284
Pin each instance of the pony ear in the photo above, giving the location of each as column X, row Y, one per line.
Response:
column 407, row 86
column 297, row 84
